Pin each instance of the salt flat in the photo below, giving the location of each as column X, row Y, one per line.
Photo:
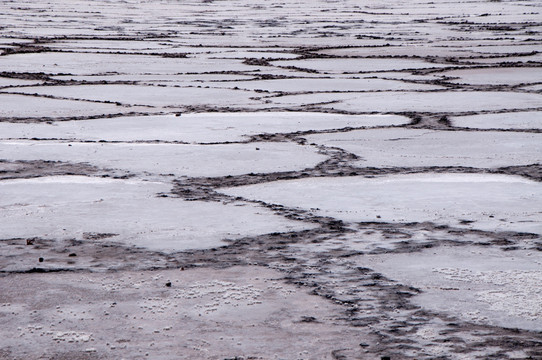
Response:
column 356, row 65
column 219, row 305
column 167, row 158
column 92, row 63
column 21, row 107
column 417, row 147
column 486, row 202
column 154, row 96
column 515, row 120
column 261, row 180
column 323, row 84
column 194, row 128
column 445, row 101
column 68, row 207
column 483, row 286
column 500, row 76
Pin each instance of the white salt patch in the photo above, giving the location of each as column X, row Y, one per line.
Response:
column 534, row 57
column 413, row 147
column 145, row 95
column 21, row 106
column 178, row 159
column 525, row 48
column 329, row 84
column 491, row 202
column 417, row 101
column 496, row 76
column 357, row 65
column 17, row 82
column 67, row 207
column 483, row 285
column 168, row 79
column 94, row 44
column 71, row 336
column 199, row 128
column 522, row 288
column 412, row 50
column 92, row 63
column 533, row 88
column 514, row 120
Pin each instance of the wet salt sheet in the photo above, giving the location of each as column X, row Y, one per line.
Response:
column 514, row 120
column 487, row 286
column 420, row 147
column 194, row 128
column 175, row 159
column 130, row 211
column 21, row 106
column 476, row 201
column 439, row 102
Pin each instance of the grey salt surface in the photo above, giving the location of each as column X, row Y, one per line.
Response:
column 255, row 180
column 485, row 286
column 486, row 202
column 67, row 207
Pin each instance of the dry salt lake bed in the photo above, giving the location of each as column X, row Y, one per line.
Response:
column 233, row 179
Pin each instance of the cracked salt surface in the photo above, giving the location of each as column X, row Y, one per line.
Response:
column 166, row 158
column 513, row 120
column 449, row 101
column 67, row 207
column 165, row 97
column 342, row 66
column 496, row 76
column 422, row 147
column 323, row 84
column 92, row 63
column 18, row 82
column 140, row 52
column 486, row 202
column 237, row 311
column 483, row 285
column 194, row 128
column 159, row 79
column 24, row 106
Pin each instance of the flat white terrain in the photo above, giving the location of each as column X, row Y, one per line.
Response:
column 166, row 158
column 22, row 107
column 67, row 207
column 417, row 147
column 310, row 179
column 515, row 120
column 194, row 128
column 486, row 202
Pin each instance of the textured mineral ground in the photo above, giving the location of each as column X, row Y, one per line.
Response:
column 235, row 179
